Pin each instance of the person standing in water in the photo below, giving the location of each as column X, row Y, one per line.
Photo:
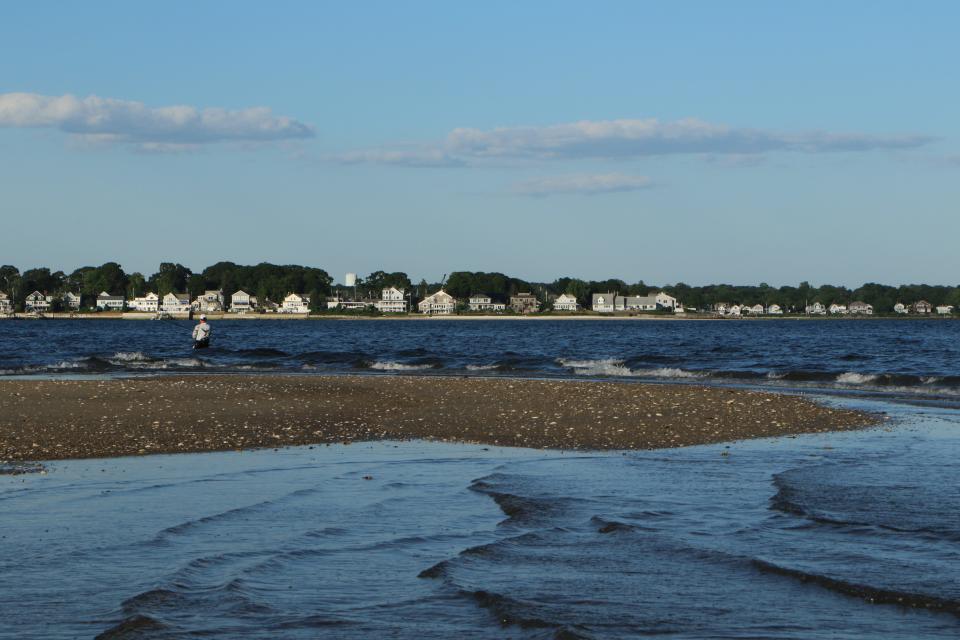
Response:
column 201, row 334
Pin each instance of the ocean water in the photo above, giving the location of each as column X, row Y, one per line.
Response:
column 845, row 535
column 908, row 358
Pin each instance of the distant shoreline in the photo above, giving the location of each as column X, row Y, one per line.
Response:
column 416, row 316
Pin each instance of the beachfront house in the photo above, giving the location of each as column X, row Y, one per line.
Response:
column 838, row 309
column 149, row 303
column 296, row 303
column 755, row 310
column 242, row 302
column 774, row 310
column 721, row 308
column 566, row 302
column 440, row 303
column 176, row 303
column 921, row 306
column 524, row 303
column 6, row 306
column 735, row 311
column 944, row 309
column 347, row 304
column 107, row 302
column 900, row 308
column 604, row 302
column 483, row 302
column 861, row 308
column 71, row 300
column 392, row 300
column 816, row 309
column 37, row 302
column 211, row 301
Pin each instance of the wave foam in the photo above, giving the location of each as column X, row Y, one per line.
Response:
column 130, row 356
column 399, row 366
column 482, row 367
column 851, row 377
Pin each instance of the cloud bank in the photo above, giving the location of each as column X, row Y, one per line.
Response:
column 582, row 184
column 625, row 139
column 174, row 128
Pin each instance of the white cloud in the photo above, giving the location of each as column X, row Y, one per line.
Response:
column 625, row 139
column 415, row 157
column 583, row 184
column 110, row 121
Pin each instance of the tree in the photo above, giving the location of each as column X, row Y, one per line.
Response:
column 171, row 278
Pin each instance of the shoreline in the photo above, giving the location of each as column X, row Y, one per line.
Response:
column 67, row 419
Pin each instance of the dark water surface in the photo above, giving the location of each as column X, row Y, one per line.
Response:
column 851, row 535
column 914, row 357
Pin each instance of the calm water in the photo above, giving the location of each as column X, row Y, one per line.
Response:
column 830, row 536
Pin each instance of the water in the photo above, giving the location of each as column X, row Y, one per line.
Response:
column 916, row 358
column 843, row 535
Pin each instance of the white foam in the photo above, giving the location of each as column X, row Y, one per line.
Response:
column 602, row 367
column 482, row 367
column 668, row 372
column 399, row 366
column 130, row 356
column 856, row 378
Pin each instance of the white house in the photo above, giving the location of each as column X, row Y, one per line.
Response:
column 242, row 302
column 604, row 302
column 756, row 310
column 149, row 303
column 483, row 302
column 296, row 303
column 921, row 306
column 345, row 304
column 900, row 308
column 735, row 310
column 945, row 309
column 838, row 309
column 774, row 310
column 37, row 302
column 816, row 309
column 71, row 300
column 721, row 308
column 566, row 302
column 861, row 308
column 176, row 303
column 5, row 305
column 392, row 300
column 439, row 304
column 107, row 302
column 210, row 302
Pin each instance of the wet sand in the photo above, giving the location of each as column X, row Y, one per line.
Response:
column 58, row 419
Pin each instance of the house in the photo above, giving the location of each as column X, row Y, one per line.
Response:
column 945, row 309
column 816, row 309
column 242, row 302
column 756, row 310
column 921, row 306
column 721, row 308
column 107, row 302
column 635, row 303
column 838, row 309
column 604, row 302
column 149, row 303
column 176, row 303
column 296, row 303
column 6, row 306
column 524, row 303
column 566, row 302
column 735, row 310
column 392, row 300
column 36, row 302
column 71, row 300
column 900, row 308
column 774, row 310
column 861, row 308
column 483, row 302
column 440, row 303
column 210, row 302
column 346, row 304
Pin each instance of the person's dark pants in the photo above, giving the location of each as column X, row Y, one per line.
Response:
column 201, row 344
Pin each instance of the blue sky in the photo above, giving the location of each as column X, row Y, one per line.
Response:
column 701, row 142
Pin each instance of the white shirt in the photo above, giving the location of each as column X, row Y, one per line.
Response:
column 201, row 331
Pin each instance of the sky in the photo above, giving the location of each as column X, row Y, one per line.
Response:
column 697, row 142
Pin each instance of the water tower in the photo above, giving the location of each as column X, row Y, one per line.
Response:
column 350, row 280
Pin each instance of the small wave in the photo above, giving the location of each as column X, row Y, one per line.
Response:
column 400, row 366
column 600, row 367
column 851, row 377
column 130, row 356
column 668, row 372
column 482, row 367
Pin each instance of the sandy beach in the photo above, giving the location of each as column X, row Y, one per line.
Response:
column 60, row 419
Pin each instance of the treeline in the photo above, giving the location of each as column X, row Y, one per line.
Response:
column 270, row 281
